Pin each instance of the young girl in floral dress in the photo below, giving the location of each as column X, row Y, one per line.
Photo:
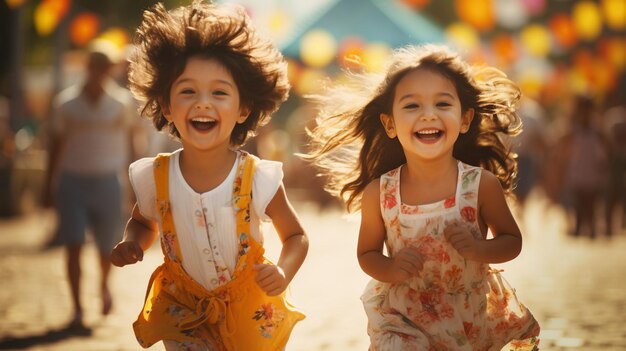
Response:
column 418, row 151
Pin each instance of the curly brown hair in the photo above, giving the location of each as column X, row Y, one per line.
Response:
column 351, row 147
column 166, row 40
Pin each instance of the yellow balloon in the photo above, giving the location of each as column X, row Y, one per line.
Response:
column 310, row 81
column 462, row 36
column 587, row 19
column 374, row 57
column 614, row 12
column 318, row 48
column 117, row 36
column 536, row 39
column 46, row 19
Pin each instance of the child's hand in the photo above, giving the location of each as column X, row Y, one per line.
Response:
column 462, row 240
column 126, row 252
column 271, row 279
column 406, row 263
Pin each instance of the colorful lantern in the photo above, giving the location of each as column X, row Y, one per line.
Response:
column 462, row 36
column 614, row 13
column 477, row 13
column 536, row 39
column 416, row 4
column 587, row 19
column 505, row 49
column 374, row 56
column 510, row 14
column 563, row 30
column 318, row 48
column 534, row 7
column 83, row 28
column 351, row 53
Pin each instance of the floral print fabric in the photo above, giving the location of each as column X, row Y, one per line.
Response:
column 454, row 303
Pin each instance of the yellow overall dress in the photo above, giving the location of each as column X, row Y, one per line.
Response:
column 237, row 316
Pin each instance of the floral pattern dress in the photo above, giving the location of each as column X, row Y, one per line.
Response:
column 454, row 304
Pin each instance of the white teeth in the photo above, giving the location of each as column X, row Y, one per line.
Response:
column 428, row 131
column 202, row 119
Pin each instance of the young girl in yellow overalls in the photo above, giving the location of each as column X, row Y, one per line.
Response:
column 205, row 75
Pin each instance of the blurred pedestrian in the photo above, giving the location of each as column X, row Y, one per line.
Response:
column 615, row 131
column 206, row 76
column 530, row 146
column 584, row 153
column 92, row 126
column 419, row 139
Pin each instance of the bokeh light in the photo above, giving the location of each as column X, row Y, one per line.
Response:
column 587, row 20
column 477, row 13
column 83, row 28
column 318, row 48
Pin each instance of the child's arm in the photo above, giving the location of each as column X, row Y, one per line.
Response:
column 139, row 235
column 274, row 279
column 496, row 215
column 405, row 263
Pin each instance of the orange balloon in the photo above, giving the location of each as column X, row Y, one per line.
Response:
column 613, row 50
column 83, row 28
column 563, row 30
column 60, row 7
column 478, row 13
column 505, row 48
column 416, row 4
column 351, row 53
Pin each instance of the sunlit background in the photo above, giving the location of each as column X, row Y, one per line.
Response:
column 552, row 49
column 555, row 50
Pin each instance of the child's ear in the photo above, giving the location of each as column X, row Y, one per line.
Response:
column 244, row 112
column 466, row 120
column 387, row 122
column 165, row 110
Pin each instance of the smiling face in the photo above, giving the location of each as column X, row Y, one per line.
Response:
column 205, row 105
column 426, row 116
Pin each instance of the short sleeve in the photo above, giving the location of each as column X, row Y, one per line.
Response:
column 141, row 174
column 268, row 176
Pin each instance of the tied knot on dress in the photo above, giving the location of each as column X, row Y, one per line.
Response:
column 213, row 310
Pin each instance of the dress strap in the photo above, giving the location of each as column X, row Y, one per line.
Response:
column 242, row 197
column 390, row 202
column 169, row 240
column 467, row 190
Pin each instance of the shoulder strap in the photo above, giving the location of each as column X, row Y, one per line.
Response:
column 169, row 240
column 242, row 196
column 390, row 202
column 469, row 181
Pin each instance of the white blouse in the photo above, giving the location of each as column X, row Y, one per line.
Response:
column 206, row 223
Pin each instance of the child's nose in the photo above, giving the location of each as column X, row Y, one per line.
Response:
column 428, row 114
column 203, row 102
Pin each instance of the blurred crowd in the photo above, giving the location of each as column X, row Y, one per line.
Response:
column 573, row 152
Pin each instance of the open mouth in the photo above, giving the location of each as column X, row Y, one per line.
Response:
column 203, row 123
column 429, row 135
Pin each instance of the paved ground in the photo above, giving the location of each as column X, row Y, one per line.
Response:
column 575, row 288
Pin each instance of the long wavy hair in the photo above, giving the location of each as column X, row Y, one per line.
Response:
column 349, row 143
column 166, row 40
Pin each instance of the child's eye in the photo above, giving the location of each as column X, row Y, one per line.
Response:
column 220, row 93
column 410, row 106
column 187, row 91
column 443, row 104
